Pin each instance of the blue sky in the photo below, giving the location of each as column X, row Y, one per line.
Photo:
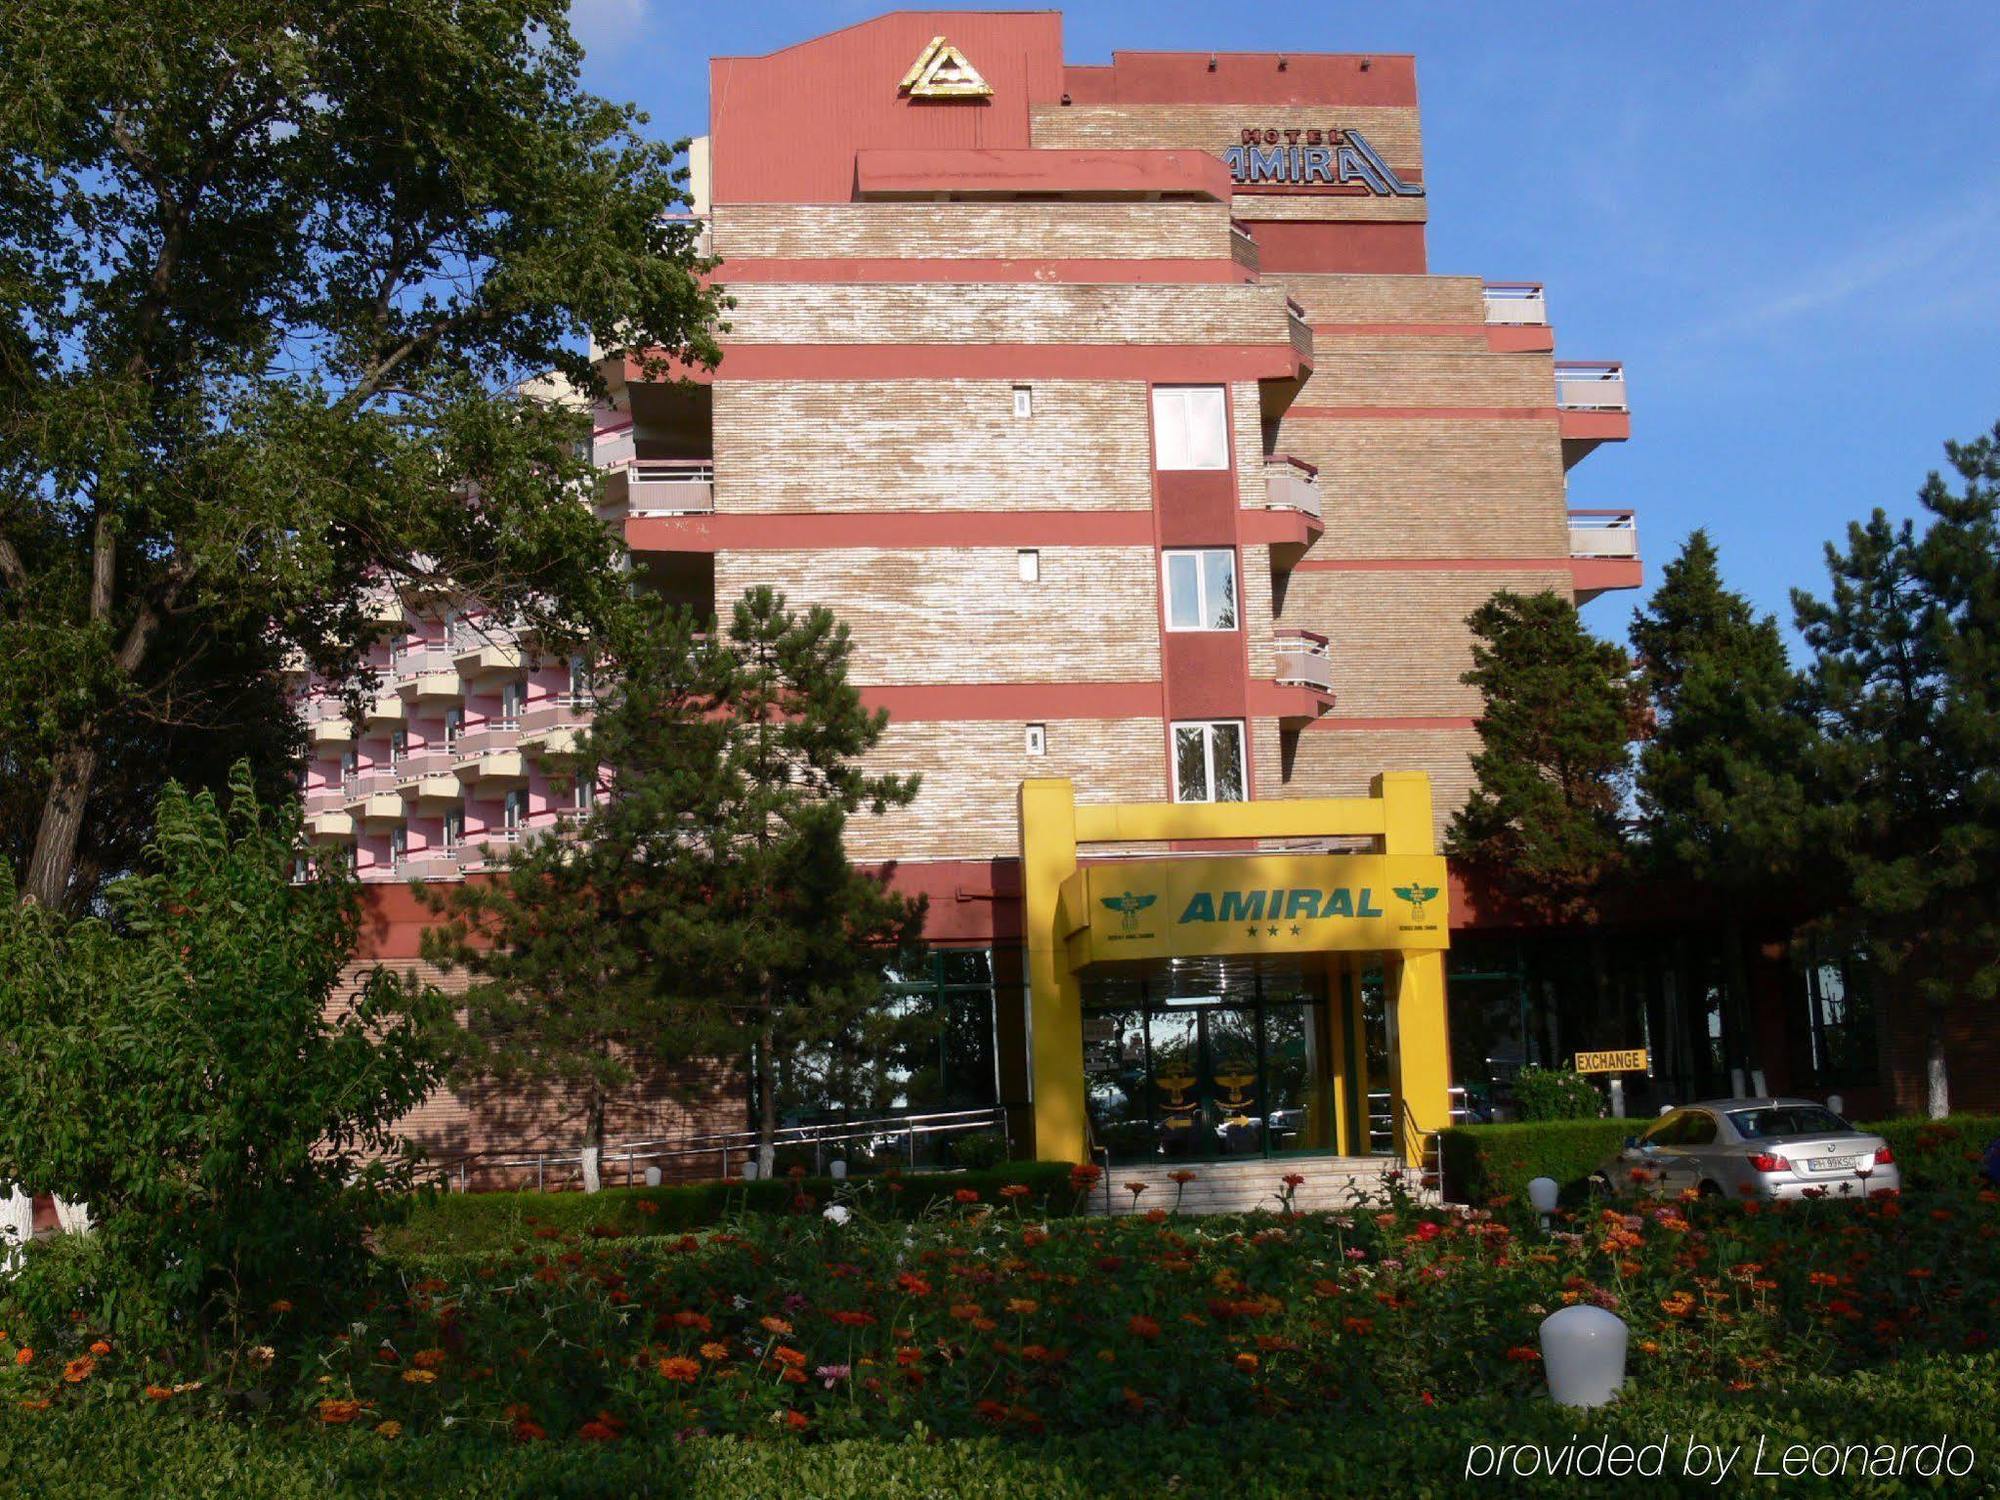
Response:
column 1783, row 218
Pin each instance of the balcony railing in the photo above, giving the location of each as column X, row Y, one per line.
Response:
column 1303, row 660
column 1291, row 484
column 1603, row 533
column 1299, row 330
column 661, row 487
column 1518, row 302
column 613, row 447
column 1243, row 246
column 375, row 781
column 422, row 661
column 428, row 866
column 1590, row 386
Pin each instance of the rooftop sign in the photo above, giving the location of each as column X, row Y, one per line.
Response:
column 941, row 72
column 1337, row 160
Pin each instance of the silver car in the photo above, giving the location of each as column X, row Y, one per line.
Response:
column 1751, row 1148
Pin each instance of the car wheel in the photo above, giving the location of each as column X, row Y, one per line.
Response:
column 1710, row 1189
column 1599, row 1185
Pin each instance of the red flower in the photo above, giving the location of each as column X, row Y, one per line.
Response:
column 1142, row 1327
column 680, row 1368
column 913, row 1284
column 965, row 1195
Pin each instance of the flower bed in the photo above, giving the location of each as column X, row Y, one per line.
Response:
column 984, row 1318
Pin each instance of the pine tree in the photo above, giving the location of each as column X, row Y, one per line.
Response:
column 706, row 906
column 1545, row 819
column 1904, row 769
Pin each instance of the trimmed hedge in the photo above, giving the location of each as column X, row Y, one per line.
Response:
column 446, row 1223
column 143, row 1450
column 1485, row 1161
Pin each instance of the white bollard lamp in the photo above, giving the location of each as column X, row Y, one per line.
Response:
column 1542, row 1193
column 1583, row 1355
column 750, row 1171
column 838, row 1167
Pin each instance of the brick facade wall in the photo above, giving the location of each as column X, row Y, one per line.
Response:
column 1399, row 640
column 1392, row 130
column 1363, row 371
column 1340, row 763
column 958, row 231
column 968, row 807
column 1386, row 299
column 928, row 445
column 1434, row 488
column 1006, row 313
column 962, row 615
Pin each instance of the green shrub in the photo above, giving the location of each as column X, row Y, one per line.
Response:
column 1938, row 1153
column 1485, row 1161
column 1555, row 1094
column 446, row 1223
column 980, row 1151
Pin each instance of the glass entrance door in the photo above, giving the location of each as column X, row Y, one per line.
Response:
column 1194, row 1065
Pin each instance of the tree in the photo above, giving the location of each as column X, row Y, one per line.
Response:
column 1720, row 804
column 180, row 1066
column 1545, row 817
column 1903, row 770
column 706, row 906
column 1718, row 792
column 271, row 283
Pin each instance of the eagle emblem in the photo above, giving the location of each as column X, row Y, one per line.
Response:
column 1128, row 905
column 1416, row 895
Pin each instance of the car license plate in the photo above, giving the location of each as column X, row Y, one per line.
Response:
column 1832, row 1163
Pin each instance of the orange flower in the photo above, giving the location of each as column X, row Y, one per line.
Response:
column 390, row 1429
column 965, row 1195
column 1246, row 1362
column 1022, row 1306
column 797, row 1421
column 419, row 1377
column 282, row 1305
column 680, row 1368
column 1016, row 1190
column 78, row 1370
column 25, row 1357
column 339, row 1413
column 1135, row 1189
column 712, row 1350
column 695, row 1320
column 788, row 1356
column 1679, row 1305
column 429, row 1359
column 597, row 1431
column 848, row 1318
column 775, row 1325
column 526, row 1431
column 100, row 1348
column 1181, row 1178
column 1142, row 1327
column 913, row 1284
column 965, row 1312
column 159, row 1393
column 1358, row 1326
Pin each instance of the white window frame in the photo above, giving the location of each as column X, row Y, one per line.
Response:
column 1035, row 739
column 583, row 791
column 513, row 699
column 1209, row 728
column 1028, row 564
column 399, row 845
column 454, row 726
column 453, row 833
column 1189, row 421
column 514, row 810
column 1201, row 587
column 1024, row 400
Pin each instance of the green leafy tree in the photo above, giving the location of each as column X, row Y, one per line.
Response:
column 271, row 284
column 183, row 1066
column 706, row 906
column 1545, row 818
column 1904, row 768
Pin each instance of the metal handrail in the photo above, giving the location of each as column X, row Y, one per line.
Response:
column 723, row 1143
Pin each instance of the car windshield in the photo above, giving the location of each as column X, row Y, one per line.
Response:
column 1785, row 1119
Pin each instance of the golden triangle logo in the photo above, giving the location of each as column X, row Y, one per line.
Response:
column 941, row 72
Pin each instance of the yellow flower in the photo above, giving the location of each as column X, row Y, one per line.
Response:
column 389, row 1429
column 419, row 1377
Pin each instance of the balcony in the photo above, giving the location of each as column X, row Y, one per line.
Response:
column 331, row 826
column 660, row 487
column 492, row 768
column 1516, row 304
column 380, row 808
column 553, row 730
column 1300, row 332
column 427, row 674
column 384, row 713
column 1604, row 552
column 488, row 848
column 327, row 725
column 428, row 865
column 1292, row 484
column 1243, row 247
column 1303, row 660
column 1591, row 406
column 1303, row 675
column 355, row 786
column 482, row 648
column 1595, row 386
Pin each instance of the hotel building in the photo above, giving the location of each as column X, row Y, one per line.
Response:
column 1119, row 412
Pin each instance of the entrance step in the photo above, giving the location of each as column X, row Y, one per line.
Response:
column 1332, row 1183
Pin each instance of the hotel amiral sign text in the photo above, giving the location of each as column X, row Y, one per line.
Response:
column 1337, row 160
column 1256, row 904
